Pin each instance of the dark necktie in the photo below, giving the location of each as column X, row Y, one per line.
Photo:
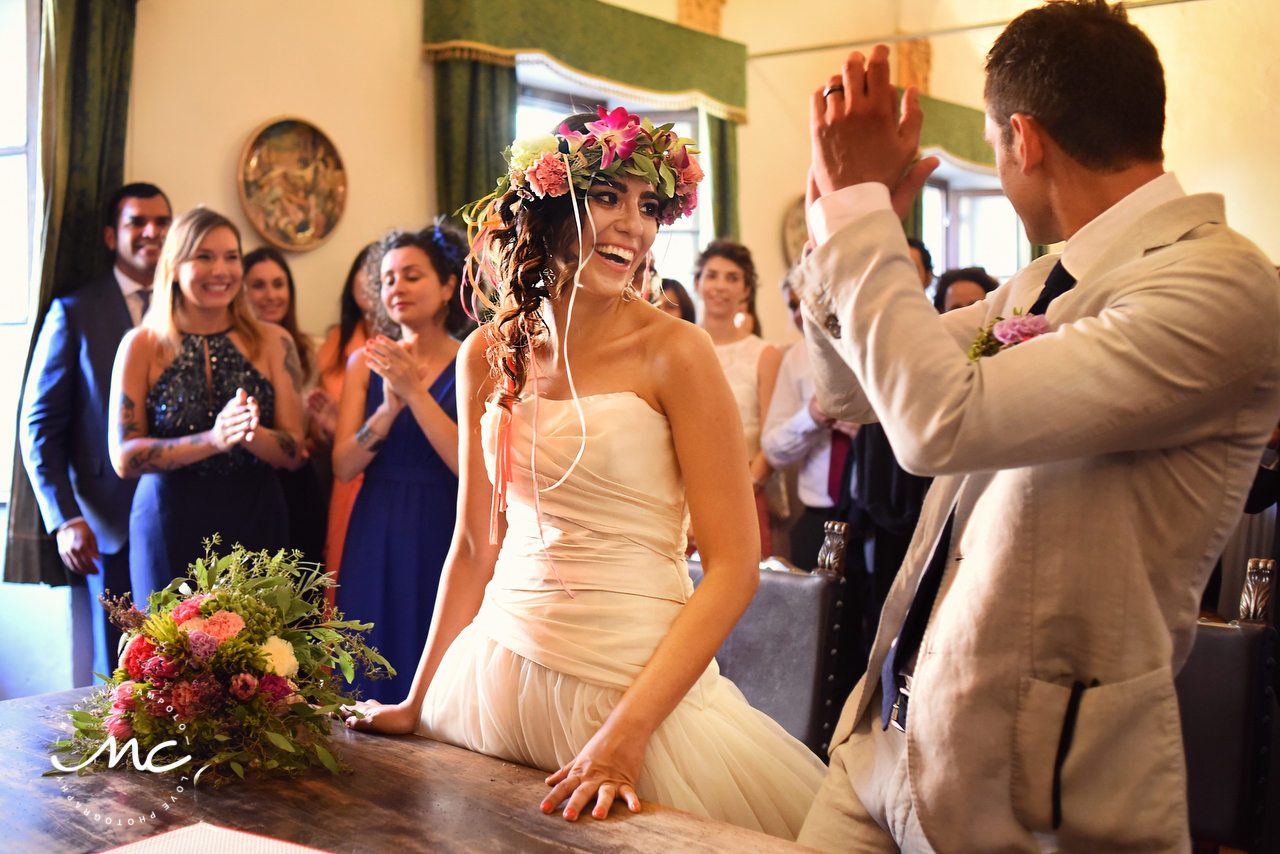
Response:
column 835, row 474
column 893, row 684
column 144, row 294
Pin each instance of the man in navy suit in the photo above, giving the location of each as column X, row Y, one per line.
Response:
column 63, row 430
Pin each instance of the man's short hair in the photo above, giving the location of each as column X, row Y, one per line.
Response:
column 918, row 245
column 1090, row 78
column 137, row 190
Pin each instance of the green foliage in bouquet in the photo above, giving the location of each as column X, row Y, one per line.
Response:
column 237, row 667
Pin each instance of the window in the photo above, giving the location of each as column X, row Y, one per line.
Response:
column 677, row 246
column 968, row 222
column 19, row 33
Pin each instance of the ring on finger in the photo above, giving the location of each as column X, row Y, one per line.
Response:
column 834, row 87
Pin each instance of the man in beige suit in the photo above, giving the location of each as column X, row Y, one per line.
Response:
column 1020, row 692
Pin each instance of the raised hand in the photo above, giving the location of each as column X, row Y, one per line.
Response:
column 324, row 409
column 607, row 768
column 392, row 361
column 236, row 422
column 859, row 136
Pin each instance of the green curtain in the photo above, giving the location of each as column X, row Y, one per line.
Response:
column 598, row 40
column 475, row 121
column 913, row 225
column 722, row 147
column 86, row 59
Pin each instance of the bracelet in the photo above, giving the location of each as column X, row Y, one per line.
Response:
column 369, row 440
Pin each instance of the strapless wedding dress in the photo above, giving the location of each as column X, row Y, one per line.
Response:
column 536, row 673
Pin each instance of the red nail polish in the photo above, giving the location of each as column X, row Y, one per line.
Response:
column 570, row 814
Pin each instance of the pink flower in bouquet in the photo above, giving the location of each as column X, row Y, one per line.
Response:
column 244, row 686
column 203, row 644
column 198, row 697
column 123, row 699
column 274, row 688
column 616, row 133
column 160, row 669
column 223, row 625
column 187, row 609
column 117, row 726
column 548, row 176
column 136, row 653
column 1019, row 328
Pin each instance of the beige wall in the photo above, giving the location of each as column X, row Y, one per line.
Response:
column 208, row 72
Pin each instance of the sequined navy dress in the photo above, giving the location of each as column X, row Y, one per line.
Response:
column 234, row 494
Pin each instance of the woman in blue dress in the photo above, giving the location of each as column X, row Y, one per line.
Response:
column 206, row 402
column 397, row 423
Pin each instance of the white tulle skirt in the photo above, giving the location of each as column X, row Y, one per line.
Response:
column 714, row 755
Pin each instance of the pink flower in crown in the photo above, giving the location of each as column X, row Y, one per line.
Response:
column 1019, row 328
column 687, row 196
column 548, row 176
column 223, row 625
column 573, row 137
column 616, row 133
column 689, row 167
column 117, row 726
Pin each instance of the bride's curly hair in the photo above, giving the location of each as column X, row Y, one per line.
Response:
column 528, row 252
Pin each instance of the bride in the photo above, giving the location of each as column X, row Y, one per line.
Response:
column 578, row 644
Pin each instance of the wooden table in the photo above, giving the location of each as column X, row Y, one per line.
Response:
column 405, row 794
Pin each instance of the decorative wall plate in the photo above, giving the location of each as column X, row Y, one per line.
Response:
column 794, row 232
column 292, row 184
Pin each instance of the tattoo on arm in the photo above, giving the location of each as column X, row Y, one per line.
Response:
column 292, row 364
column 286, row 442
column 150, row 459
column 128, row 422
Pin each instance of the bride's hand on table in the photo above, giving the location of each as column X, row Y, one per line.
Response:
column 606, row 769
column 397, row 719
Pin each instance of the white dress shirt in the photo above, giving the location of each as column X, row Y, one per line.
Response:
column 132, row 294
column 790, row 434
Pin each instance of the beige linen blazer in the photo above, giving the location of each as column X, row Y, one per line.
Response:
column 1096, row 472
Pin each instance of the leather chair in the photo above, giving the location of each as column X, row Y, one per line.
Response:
column 1227, row 695
column 783, row 653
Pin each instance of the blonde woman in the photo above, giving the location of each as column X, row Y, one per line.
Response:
column 206, row 403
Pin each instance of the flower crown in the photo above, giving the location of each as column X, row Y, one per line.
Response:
column 618, row 142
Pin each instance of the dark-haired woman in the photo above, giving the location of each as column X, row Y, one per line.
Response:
column 268, row 284
column 348, row 336
column 397, row 424
column 725, row 277
column 594, row 425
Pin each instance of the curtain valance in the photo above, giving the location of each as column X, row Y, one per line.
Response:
column 596, row 40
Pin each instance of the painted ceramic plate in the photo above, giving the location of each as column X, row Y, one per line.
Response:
column 292, row 184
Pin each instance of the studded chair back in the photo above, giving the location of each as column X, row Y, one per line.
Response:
column 1227, row 696
column 783, row 653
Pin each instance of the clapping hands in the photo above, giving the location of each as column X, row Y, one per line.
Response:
column 324, row 409
column 236, row 422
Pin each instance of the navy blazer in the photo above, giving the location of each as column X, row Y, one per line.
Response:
column 63, row 429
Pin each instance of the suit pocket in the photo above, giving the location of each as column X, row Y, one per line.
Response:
column 1106, row 767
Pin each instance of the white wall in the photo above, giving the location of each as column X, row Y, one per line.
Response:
column 208, row 72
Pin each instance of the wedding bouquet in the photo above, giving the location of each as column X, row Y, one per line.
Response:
column 236, row 667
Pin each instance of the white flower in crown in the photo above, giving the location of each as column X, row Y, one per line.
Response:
column 524, row 152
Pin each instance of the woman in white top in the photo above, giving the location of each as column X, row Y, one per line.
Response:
column 725, row 277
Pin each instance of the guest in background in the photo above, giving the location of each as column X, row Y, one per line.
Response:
column 725, row 277
column 924, row 261
column 205, row 406
column 397, row 424
column 798, row 431
column 675, row 301
column 273, row 296
column 962, row 287
column 63, row 429
column 348, row 336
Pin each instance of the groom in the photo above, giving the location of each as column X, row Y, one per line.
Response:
column 1020, row 692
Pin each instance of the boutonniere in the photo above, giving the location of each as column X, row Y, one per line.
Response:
column 1001, row 334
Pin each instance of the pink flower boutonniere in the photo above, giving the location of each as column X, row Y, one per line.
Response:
column 1000, row 334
